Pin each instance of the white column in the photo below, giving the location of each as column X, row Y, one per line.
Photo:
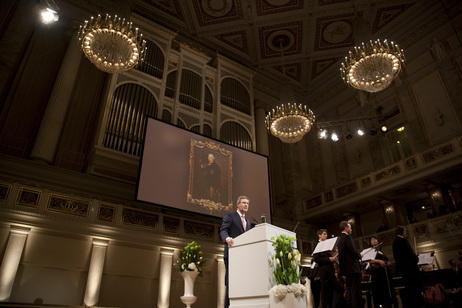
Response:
column 165, row 277
column 53, row 120
column 95, row 272
column 221, row 282
column 10, row 262
column 261, row 131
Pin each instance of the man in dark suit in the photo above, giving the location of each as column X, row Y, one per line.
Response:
column 350, row 267
column 406, row 267
column 233, row 225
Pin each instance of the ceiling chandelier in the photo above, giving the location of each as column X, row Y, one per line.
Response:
column 290, row 122
column 111, row 44
column 372, row 67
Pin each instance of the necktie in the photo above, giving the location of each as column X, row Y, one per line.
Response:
column 243, row 221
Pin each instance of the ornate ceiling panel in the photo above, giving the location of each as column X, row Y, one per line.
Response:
column 314, row 35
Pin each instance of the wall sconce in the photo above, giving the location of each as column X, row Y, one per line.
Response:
column 389, row 210
column 436, row 195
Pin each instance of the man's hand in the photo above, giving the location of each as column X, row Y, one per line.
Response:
column 229, row 241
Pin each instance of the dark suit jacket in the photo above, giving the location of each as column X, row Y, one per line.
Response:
column 231, row 226
column 405, row 258
column 325, row 266
column 349, row 257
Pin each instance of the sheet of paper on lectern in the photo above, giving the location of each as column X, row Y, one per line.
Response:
column 327, row 245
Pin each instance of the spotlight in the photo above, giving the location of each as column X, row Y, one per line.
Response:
column 49, row 16
column 384, row 128
column 348, row 134
column 322, row 133
column 360, row 132
column 334, row 136
column 373, row 131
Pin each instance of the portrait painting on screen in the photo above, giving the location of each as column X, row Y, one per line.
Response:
column 210, row 176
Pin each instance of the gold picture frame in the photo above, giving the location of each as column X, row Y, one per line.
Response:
column 210, row 176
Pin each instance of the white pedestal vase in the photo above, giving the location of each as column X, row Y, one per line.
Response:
column 290, row 300
column 188, row 298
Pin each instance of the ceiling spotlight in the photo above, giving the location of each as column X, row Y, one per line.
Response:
column 384, row 128
column 348, row 134
column 322, row 133
column 360, row 132
column 49, row 16
column 334, row 136
column 373, row 131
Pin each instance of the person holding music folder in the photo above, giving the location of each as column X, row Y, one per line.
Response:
column 383, row 293
column 406, row 267
column 233, row 225
column 326, row 272
column 350, row 267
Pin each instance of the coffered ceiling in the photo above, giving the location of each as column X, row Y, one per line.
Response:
column 315, row 35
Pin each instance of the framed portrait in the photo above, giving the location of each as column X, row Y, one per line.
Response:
column 210, row 176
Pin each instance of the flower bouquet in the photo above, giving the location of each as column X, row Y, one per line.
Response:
column 191, row 258
column 285, row 263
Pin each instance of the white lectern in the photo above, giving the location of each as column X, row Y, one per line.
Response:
column 250, row 273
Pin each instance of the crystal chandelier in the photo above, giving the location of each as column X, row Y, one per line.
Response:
column 290, row 122
column 372, row 67
column 111, row 44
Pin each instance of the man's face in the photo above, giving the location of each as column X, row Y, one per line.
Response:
column 348, row 229
column 243, row 206
column 323, row 236
column 211, row 159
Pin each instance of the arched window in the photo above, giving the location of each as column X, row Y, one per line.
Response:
column 130, row 105
column 207, row 131
column 235, row 95
column 153, row 63
column 190, row 89
column 196, row 128
column 235, row 134
column 180, row 123
column 166, row 116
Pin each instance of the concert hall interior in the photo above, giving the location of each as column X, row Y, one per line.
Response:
column 72, row 140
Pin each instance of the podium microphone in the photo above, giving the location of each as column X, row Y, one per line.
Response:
column 296, row 226
column 254, row 220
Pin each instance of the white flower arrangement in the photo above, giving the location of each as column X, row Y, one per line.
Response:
column 280, row 290
column 191, row 258
column 286, row 268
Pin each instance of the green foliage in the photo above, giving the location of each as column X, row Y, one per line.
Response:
column 191, row 258
column 286, row 260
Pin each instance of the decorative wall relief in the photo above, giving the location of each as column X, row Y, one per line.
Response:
column 67, row 205
column 312, row 203
column 438, row 153
column 139, row 219
column 347, row 189
column 388, row 173
column 198, row 229
column 28, row 197
column 4, row 192
column 170, row 224
column 410, row 163
column 366, row 182
column 106, row 212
